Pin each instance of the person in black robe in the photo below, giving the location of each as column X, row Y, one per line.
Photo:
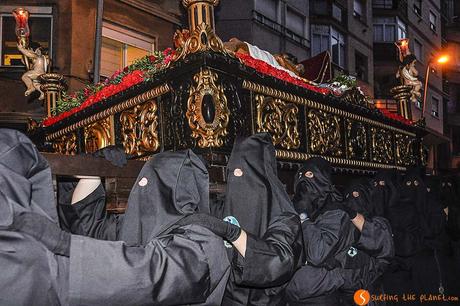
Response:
column 331, row 231
column 30, row 273
column 257, row 201
column 258, row 219
column 385, row 192
column 267, row 241
column 451, row 202
column 162, row 264
column 375, row 241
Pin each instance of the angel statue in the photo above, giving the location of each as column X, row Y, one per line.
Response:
column 38, row 65
column 407, row 72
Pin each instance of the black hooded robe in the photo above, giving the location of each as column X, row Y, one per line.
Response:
column 258, row 202
column 30, row 274
column 162, row 265
column 328, row 234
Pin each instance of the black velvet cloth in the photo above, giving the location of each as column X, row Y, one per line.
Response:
column 257, row 201
column 31, row 275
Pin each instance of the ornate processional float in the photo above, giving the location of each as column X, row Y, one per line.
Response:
column 205, row 93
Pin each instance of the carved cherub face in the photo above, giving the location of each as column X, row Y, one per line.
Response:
column 38, row 51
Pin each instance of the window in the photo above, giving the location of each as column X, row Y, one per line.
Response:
column 418, row 7
column 295, row 22
column 328, row 38
column 268, row 8
column 320, row 39
column 336, row 12
column 41, row 29
column 338, row 48
column 432, row 21
column 382, row 4
column 434, row 106
column 120, row 47
column 359, row 10
column 389, row 29
column 361, row 66
column 418, row 50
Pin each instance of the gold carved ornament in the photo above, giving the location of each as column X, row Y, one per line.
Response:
column 280, row 120
column 202, row 38
column 98, row 135
column 324, row 133
column 405, row 153
column 66, row 144
column 139, row 129
column 381, row 145
column 356, row 140
column 207, row 110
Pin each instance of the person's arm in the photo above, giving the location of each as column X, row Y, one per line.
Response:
column 86, row 185
column 358, row 222
column 322, row 236
column 271, row 260
column 180, row 268
column 266, row 261
column 86, row 213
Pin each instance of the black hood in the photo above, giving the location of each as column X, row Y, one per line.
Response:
column 413, row 188
column 314, row 191
column 384, row 191
column 449, row 195
column 358, row 196
column 25, row 176
column 255, row 195
column 170, row 186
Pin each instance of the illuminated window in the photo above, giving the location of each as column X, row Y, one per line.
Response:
column 120, row 47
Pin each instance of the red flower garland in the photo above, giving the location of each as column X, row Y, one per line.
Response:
column 265, row 68
column 129, row 80
column 394, row 116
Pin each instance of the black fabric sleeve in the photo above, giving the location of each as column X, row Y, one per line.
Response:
column 271, row 260
column 325, row 236
column 88, row 217
column 186, row 266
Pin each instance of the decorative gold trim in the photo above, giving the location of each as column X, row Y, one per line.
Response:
column 201, row 39
column 67, row 144
column 208, row 131
column 283, row 154
column 265, row 90
column 280, row 120
column 97, row 135
column 324, row 133
column 148, row 95
column 139, row 129
column 187, row 3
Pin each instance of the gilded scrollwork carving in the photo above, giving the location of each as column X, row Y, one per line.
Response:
column 98, row 135
column 202, row 38
column 356, row 140
column 66, row 144
column 128, row 131
column 324, row 131
column 405, row 150
column 381, row 145
column 280, row 120
column 207, row 110
column 139, row 129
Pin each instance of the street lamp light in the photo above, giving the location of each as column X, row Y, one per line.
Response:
column 441, row 60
